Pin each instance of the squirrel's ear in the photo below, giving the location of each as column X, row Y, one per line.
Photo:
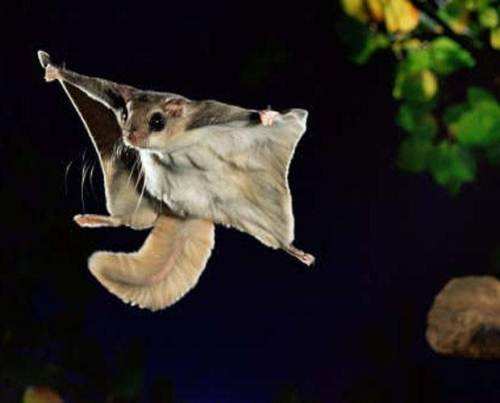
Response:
column 175, row 107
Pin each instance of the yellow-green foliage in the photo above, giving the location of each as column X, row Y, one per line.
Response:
column 442, row 139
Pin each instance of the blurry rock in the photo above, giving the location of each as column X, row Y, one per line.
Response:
column 465, row 318
column 41, row 394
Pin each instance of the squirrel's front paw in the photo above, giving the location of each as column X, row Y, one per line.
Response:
column 52, row 73
column 94, row 221
column 267, row 117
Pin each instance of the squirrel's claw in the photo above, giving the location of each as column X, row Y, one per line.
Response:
column 44, row 58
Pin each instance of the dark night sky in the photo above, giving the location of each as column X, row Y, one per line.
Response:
column 386, row 242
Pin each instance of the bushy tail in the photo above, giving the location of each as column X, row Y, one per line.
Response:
column 164, row 269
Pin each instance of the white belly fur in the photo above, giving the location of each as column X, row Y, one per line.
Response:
column 236, row 176
column 187, row 190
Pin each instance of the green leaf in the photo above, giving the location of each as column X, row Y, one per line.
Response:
column 419, row 87
column 488, row 17
column 456, row 14
column 475, row 4
column 371, row 45
column 495, row 38
column 417, row 119
column 417, row 60
column 360, row 40
column 478, row 94
column 414, row 80
column 453, row 113
column 455, row 8
column 452, row 166
column 479, row 126
column 414, row 154
column 447, row 56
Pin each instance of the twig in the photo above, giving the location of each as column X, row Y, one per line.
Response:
column 467, row 42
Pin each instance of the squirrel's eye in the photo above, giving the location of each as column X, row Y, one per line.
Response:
column 156, row 122
column 124, row 115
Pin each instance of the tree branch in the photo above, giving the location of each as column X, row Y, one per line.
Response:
column 467, row 42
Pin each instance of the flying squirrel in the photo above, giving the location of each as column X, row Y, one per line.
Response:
column 179, row 166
